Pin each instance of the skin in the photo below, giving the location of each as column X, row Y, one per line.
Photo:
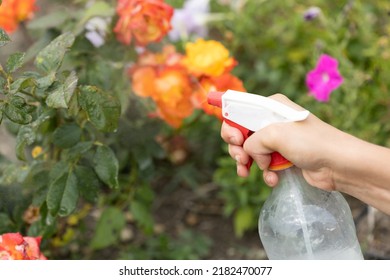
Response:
column 330, row 159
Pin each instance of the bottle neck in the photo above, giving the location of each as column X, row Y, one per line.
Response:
column 278, row 162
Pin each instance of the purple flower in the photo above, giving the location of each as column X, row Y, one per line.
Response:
column 325, row 78
column 191, row 20
column 311, row 13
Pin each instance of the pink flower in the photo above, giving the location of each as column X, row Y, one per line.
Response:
column 324, row 79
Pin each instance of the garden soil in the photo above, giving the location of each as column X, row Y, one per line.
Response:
column 202, row 211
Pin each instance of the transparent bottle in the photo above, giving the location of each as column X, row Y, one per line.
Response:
column 299, row 221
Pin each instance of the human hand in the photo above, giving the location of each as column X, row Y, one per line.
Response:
column 308, row 144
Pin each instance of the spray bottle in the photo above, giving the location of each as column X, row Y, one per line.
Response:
column 297, row 221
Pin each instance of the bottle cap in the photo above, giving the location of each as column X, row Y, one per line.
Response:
column 278, row 162
column 215, row 98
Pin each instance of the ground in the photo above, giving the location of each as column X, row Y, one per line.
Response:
column 202, row 212
column 183, row 207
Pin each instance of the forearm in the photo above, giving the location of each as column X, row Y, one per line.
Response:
column 362, row 170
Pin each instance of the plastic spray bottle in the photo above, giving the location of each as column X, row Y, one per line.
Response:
column 297, row 221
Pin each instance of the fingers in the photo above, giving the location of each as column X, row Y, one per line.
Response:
column 242, row 170
column 238, row 154
column 235, row 139
column 231, row 135
column 259, row 149
column 270, row 178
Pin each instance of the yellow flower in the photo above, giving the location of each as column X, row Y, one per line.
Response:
column 36, row 152
column 208, row 58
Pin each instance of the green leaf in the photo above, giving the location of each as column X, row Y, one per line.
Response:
column 108, row 228
column 106, row 166
column 243, row 220
column 63, row 191
column 22, row 83
column 70, row 85
column 60, row 96
column 15, row 61
column 77, row 151
column 6, row 224
column 142, row 214
column 88, row 183
column 17, row 110
column 51, row 20
column 103, row 110
column 46, row 81
column 27, row 134
column 50, row 58
column 67, row 135
column 39, row 178
column 13, row 173
column 4, row 39
column 99, row 9
column 56, row 97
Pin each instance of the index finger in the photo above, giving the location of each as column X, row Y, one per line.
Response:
column 231, row 135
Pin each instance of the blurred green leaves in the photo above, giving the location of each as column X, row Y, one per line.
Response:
column 4, row 38
column 108, row 228
column 51, row 110
column 106, row 166
column 14, row 62
column 103, row 110
column 50, row 58
column 63, row 190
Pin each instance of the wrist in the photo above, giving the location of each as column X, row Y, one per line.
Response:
column 361, row 171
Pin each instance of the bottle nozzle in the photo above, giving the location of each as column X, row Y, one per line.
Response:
column 215, row 98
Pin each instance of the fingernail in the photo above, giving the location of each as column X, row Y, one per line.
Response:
column 268, row 179
column 238, row 159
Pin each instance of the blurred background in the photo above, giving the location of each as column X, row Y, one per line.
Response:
column 175, row 193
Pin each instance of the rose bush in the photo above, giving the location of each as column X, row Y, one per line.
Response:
column 70, row 111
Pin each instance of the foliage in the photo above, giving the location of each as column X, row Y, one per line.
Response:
column 188, row 246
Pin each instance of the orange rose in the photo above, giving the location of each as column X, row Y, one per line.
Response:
column 169, row 87
column 13, row 246
column 221, row 83
column 14, row 11
column 161, row 77
column 168, row 57
column 147, row 20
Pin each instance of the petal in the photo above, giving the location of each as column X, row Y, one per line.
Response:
column 321, row 92
column 32, row 247
column 12, row 239
column 327, row 63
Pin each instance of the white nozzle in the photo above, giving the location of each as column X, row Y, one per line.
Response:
column 255, row 112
